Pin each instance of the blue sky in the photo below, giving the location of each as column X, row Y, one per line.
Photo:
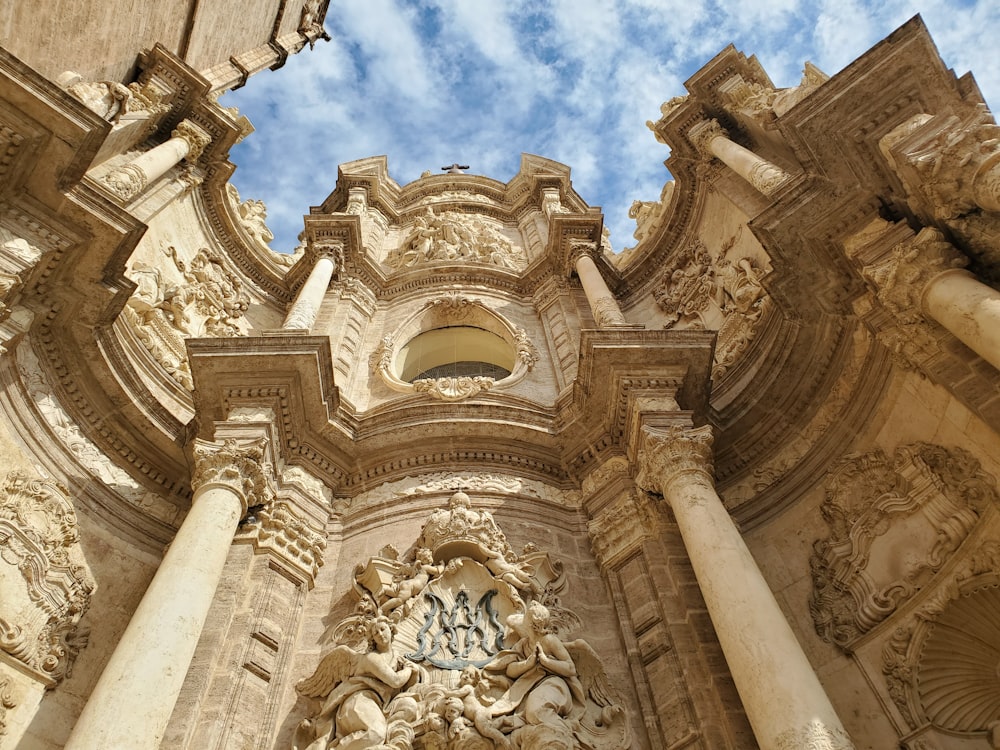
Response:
column 430, row 82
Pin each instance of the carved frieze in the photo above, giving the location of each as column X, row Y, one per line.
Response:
column 454, row 237
column 462, row 644
column 722, row 294
column 40, row 609
column 894, row 521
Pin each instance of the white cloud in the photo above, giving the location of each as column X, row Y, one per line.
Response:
column 431, row 81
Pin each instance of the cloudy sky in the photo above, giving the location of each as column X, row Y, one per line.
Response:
column 430, row 82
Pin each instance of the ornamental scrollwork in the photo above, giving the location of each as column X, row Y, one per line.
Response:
column 894, row 521
column 40, row 615
column 462, row 644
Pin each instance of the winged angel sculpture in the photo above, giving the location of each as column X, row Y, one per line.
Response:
column 463, row 647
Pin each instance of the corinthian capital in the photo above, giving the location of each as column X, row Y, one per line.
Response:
column 702, row 135
column 240, row 468
column 195, row 137
column 579, row 248
column 666, row 456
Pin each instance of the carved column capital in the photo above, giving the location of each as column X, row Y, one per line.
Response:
column 329, row 249
column 280, row 530
column 703, row 133
column 666, row 456
column 900, row 278
column 126, row 181
column 194, row 135
column 240, row 468
column 580, row 248
column 621, row 528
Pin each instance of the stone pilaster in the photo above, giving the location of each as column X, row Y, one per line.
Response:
column 784, row 700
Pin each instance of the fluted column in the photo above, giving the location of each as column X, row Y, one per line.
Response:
column 302, row 314
column 711, row 139
column 603, row 304
column 784, row 700
column 187, row 141
column 132, row 701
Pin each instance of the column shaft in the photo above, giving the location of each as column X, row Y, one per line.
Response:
column 783, row 698
column 967, row 308
column 135, row 695
column 603, row 305
column 762, row 174
column 302, row 314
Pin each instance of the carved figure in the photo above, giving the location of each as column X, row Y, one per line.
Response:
column 355, row 688
column 455, row 237
column 414, row 579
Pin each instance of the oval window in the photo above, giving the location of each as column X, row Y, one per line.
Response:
column 455, row 351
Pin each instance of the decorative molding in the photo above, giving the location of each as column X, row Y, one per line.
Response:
column 278, row 530
column 240, row 468
column 815, row 736
column 453, row 389
column 39, row 622
column 915, row 508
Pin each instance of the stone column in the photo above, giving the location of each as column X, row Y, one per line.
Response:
column 187, row 141
column 784, row 700
column 710, row 138
column 133, row 699
column 303, row 311
column 603, row 304
column 923, row 278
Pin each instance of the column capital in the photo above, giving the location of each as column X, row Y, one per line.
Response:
column 703, row 133
column 901, row 277
column 667, row 455
column 580, row 248
column 240, row 468
column 330, row 249
column 194, row 135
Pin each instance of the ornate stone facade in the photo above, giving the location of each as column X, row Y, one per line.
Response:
column 455, row 474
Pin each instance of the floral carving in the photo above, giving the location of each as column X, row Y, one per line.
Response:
column 454, row 237
column 126, row 181
column 893, row 523
column 39, row 620
column 7, row 702
column 669, row 454
column 462, row 644
column 453, row 388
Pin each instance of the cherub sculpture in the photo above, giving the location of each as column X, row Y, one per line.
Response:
column 354, row 687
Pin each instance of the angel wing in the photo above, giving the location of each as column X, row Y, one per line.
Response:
column 333, row 669
column 591, row 673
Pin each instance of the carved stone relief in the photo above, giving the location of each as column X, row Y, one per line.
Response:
column 252, row 214
column 47, row 588
column 462, row 644
column 7, row 702
column 200, row 299
column 111, row 100
column 453, row 237
column 716, row 293
column 277, row 528
column 940, row 666
column 893, row 523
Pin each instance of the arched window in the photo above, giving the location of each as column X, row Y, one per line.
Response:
column 456, row 351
